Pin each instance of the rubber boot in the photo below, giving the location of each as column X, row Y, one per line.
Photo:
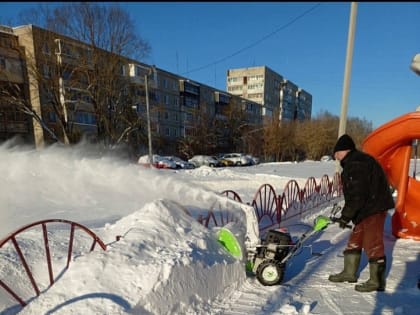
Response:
column 351, row 266
column 376, row 280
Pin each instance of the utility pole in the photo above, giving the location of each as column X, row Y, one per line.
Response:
column 149, row 130
column 347, row 70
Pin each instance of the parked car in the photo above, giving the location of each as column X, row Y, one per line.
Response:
column 255, row 160
column 144, row 160
column 180, row 163
column 163, row 162
column 239, row 159
column 208, row 160
column 225, row 162
column 158, row 161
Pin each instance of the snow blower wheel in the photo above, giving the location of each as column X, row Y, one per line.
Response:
column 270, row 272
column 269, row 259
column 267, row 263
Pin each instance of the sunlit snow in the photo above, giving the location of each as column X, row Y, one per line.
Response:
column 164, row 261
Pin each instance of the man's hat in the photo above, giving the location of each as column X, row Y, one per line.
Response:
column 345, row 142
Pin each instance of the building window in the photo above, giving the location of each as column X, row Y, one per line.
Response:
column 191, row 88
column 255, row 86
column 191, row 102
column 235, row 88
column 46, row 71
column 166, row 99
column 122, row 70
column 140, row 71
column 66, row 74
column 189, row 117
column 46, row 49
column 87, row 99
column 255, row 95
column 2, row 63
column 89, row 56
column 52, row 117
column 6, row 42
column 85, row 118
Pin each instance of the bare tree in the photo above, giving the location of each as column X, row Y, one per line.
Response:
column 318, row 136
column 107, row 27
column 98, row 72
column 13, row 96
column 321, row 135
column 232, row 126
column 359, row 129
column 201, row 134
column 271, row 147
column 253, row 140
column 310, row 139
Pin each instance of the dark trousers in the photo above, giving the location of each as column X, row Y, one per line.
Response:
column 369, row 235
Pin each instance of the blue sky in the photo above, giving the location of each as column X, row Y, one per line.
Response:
column 305, row 42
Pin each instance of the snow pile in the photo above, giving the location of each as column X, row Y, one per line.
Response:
column 179, row 260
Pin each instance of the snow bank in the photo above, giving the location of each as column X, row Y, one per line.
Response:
column 181, row 263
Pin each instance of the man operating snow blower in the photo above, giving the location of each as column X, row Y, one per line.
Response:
column 367, row 198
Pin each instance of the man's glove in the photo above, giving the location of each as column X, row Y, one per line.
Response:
column 343, row 222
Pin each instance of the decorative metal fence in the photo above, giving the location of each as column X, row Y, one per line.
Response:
column 41, row 226
column 272, row 209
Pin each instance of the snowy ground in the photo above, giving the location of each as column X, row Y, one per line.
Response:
column 165, row 262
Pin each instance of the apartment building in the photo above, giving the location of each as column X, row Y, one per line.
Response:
column 13, row 122
column 275, row 94
column 58, row 71
column 56, row 85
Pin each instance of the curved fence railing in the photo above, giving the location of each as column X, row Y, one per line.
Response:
column 265, row 204
column 12, row 240
column 272, row 209
column 231, row 194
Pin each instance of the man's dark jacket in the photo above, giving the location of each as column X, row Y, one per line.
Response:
column 365, row 187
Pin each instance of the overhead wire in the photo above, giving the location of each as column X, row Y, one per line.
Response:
column 256, row 42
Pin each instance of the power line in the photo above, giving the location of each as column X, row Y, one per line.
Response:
column 256, row 42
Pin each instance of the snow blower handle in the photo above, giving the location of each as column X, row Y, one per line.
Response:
column 334, row 218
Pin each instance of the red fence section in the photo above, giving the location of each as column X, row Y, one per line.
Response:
column 271, row 209
column 231, row 194
column 12, row 239
column 265, row 204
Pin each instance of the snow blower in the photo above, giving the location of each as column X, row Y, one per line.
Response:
column 268, row 260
